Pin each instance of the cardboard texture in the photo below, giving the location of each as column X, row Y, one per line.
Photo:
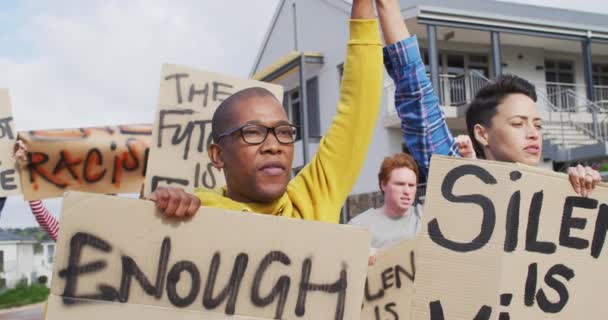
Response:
column 389, row 286
column 182, row 130
column 111, row 248
column 107, row 159
column 9, row 175
column 507, row 241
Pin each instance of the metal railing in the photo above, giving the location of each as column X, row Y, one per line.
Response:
column 454, row 90
column 601, row 96
column 587, row 117
column 558, row 103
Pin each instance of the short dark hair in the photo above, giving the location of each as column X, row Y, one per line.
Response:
column 223, row 111
column 483, row 108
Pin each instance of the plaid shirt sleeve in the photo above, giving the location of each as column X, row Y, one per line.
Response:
column 422, row 120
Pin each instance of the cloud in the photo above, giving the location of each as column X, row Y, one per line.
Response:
column 84, row 63
column 95, row 63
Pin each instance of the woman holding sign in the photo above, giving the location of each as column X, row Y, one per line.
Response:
column 502, row 121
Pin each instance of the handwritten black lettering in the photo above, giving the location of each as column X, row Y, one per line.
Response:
column 437, row 312
column 174, row 277
column 543, row 302
column 280, row 289
column 203, row 92
column 181, row 133
column 6, row 130
column 178, row 88
column 93, row 157
column 338, row 287
column 489, row 212
column 387, row 275
column 156, row 180
column 75, row 269
column 532, row 243
column 7, row 180
column 231, row 289
column 131, row 270
column 219, row 95
column 569, row 222
column 208, row 176
column 512, row 225
column 599, row 235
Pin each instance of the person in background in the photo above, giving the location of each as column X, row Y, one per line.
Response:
column 503, row 121
column 44, row 218
column 399, row 218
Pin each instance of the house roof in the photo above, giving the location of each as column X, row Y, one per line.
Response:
column 518, row 12
column 524, row 16
column 284, row 61
column 11, row 237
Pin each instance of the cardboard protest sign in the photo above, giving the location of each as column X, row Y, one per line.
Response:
column 120, row 250
column 108, row 310
column 389, row 287
column 9, row 176
column 182, row 131
column 109, row 159
column 506, row 241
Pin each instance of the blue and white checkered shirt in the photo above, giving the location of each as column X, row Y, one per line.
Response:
column 422, row 120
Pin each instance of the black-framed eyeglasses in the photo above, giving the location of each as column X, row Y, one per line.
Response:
column 257, row 134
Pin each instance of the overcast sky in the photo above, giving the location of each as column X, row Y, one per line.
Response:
column 73, row 63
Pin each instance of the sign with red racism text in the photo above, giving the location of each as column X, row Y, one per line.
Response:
column 110, row 159
column 120, row 258
column 182, row 131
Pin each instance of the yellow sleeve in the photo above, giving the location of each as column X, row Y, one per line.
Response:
column 321, row 187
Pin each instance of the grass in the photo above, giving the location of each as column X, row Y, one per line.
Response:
column 23, row 295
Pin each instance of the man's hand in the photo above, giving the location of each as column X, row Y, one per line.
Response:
column 175, row 202
column 583, row 179
column 20, row 153
column 373, row 253
column 465, row 146
column 391, row 21
column 362, row 9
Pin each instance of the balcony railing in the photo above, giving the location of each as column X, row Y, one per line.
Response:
column 454, row 91
column 459, row 90
column 560, row 95
column 601, row 96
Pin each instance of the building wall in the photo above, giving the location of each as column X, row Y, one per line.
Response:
column 324, row 28
column 42, row 265
column 18, row 262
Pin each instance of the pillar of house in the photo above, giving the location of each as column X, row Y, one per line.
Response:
column 496, row 53
column 433, row 54
column 588, row 68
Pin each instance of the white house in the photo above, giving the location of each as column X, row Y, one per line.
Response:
column 563, row 52
column 18, row 260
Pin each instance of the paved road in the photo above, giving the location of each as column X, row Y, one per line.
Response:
column 28, row 313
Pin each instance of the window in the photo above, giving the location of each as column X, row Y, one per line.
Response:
column 314, row 116
column 292, row 107
column 479, row 63
column 292, row 104
column 51, row 253
column 1, row 261
column 559, row 75
column 38, row 248
column 600, row 74
column 559, row 71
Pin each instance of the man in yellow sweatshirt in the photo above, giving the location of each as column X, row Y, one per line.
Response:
column 254, row 144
